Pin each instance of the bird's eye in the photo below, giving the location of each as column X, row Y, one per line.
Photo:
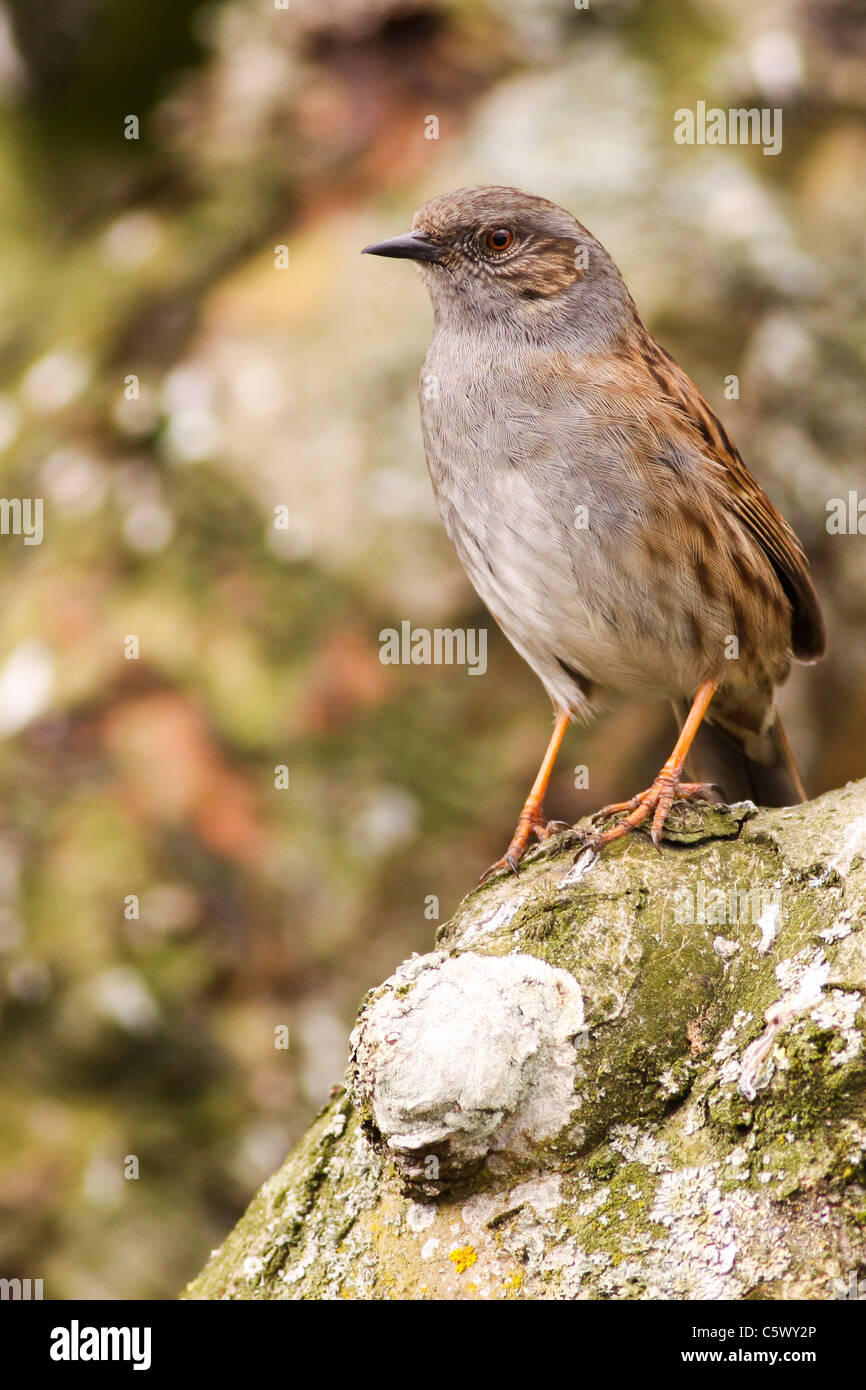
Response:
column 499, row 239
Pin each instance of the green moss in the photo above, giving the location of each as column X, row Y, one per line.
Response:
column 618, row 1211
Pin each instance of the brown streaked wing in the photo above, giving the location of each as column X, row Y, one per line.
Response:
column 748, row 501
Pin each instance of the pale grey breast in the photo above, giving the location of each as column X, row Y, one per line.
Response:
column 549, row 522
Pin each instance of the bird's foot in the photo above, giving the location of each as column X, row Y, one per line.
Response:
column 656, row 801
column 530, row 822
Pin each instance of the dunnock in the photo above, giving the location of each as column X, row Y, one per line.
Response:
column 597, row 503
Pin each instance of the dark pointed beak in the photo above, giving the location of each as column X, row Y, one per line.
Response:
column 411, row 246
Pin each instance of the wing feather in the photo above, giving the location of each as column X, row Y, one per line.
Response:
column 748, row 501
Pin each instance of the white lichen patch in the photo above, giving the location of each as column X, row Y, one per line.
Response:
column 728, row 1045
column 725, row 948
column 337, row 1125
column 572, row 1264
column 487, row 923
column 768, row 926
column 457, row 1056
column 694, row 1118
column 639, row 1147
column 420, row 1215
column 837, row 932
column 805, row 979
column 686, row 1193
column 852, row 843
column 542, row 1194
column 738, row 1167
column 803, row 973
column 838, row 1011
column 669, row 1084
column 848, row 961
column 703, row 1244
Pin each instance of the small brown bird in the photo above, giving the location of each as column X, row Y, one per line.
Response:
column 597, row 503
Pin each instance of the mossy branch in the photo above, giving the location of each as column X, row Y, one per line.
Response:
column 645, row 1079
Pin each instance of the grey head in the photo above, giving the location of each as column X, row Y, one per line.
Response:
column 507, row 260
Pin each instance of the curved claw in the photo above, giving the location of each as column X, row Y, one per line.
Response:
column 589, row 841
column 507, row 861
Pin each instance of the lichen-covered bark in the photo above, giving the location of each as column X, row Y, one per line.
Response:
column 644, row 1078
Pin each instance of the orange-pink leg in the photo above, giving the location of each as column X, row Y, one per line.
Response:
column 531, row 820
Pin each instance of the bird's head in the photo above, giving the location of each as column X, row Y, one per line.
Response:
column 506, row 257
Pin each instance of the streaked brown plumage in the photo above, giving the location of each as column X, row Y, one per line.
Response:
column 594, row 498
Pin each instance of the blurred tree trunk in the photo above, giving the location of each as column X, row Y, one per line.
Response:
column 640, row 1079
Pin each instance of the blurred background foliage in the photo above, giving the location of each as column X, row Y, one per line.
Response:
column 153, row 776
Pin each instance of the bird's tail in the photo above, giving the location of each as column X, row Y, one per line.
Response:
column 767, row 773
